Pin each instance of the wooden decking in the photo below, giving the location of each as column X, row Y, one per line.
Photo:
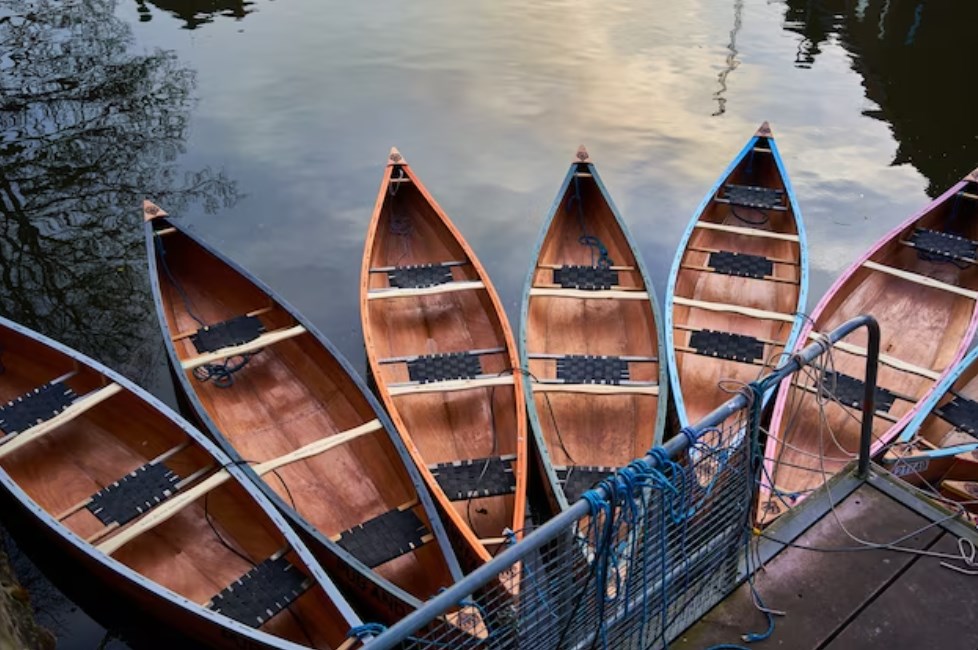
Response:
column 840, row 599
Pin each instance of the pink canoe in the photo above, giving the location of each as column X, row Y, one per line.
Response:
column 920, row 282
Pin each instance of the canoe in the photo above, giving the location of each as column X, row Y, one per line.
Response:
column 738, row 282
column 269, row 387
column 590, row 341
column 442, row 355
column 964, row 492
column 941, row 440
column 920, row 282
column 149, row 510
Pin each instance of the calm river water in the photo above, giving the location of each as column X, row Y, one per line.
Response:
column 265, row 125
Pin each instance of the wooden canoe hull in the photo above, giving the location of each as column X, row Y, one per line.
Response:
column 467, row 421
column 122, row 573
column 366, row 587
column 593, row 424
column 926, row 308
column 761, row 308
column 931, row 449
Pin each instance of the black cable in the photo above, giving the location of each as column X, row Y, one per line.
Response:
column 176, row 285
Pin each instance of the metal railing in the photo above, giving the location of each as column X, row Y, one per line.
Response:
column 642, row 555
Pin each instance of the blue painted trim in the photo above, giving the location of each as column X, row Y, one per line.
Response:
column 193, row 608
column 930, row 404
column 437, row 527
column 534, row 418
column 681, row 250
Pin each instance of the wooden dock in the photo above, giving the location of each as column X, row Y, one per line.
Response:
column 847, row 595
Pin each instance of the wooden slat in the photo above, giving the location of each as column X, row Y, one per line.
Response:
column 584, row 293
column 734, row 309
column 766, row 278
column 415, row 357
column 76, row 408
column 776, row 260
column 555, row 267
column 164, row 512
column 968, row 195
column 448, row 287
column 920, row 279
column 449, row 264
column 318, row 447
column 262, row 341
column 750, row 232
column 596, row 389
column 885, row 359
column 187, row 333
column 450, row 385
column 164, row 231
column 762, row 149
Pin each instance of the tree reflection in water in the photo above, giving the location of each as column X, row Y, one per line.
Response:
column 195, row 13
column 87, row 130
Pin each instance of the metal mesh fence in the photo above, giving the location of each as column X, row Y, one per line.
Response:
column 638, row 568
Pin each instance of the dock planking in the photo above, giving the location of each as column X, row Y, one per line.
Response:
column 852, row 599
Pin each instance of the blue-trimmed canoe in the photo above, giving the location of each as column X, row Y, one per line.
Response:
column 738, row 283
column 941, row 441
column 274, row 391
column 590, row 340
column 100, row 475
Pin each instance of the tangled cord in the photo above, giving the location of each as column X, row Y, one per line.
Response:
column 223, row 373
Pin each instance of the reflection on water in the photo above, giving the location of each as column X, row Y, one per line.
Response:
column 102, row 104
column 195, row 13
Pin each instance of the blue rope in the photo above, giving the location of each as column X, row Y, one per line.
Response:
column 592, row 241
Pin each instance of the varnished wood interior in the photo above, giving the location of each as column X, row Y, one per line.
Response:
column 923, row 326
column 409, row 229
column 591, row 429
column 290, row 394
column 66, row 467
column 701, row 378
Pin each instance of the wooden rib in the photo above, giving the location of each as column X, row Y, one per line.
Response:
column 776, row 260
column 257, row 312
column 102, row 534
column 885, row 359
column 76, row 408
column 450, row 385
column 449, row 264
column 262, row 341
column 942, row 255
column 766, row 278
column 448, row 287
column 879, row 414
column 607, row 294
column 555, row 267
column 750, row 232
column 689, row 328
column 156, row 461
column 920, row 279
column 165, row 511
column 318, row 447
column 596, row 389
column 415, row 357
column 734, row 309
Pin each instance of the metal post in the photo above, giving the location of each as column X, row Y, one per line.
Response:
column 869, row 398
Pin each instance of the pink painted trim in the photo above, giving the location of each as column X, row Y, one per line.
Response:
column 770, row 448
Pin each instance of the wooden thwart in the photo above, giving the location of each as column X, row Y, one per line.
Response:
column 750, row 232
column 597, row 389
column 415, row 357
column 164, row 231
column 77, row 407
column 734, row 309
column 448, row 287
column 318, row 447
column 638, row 294
column 262, row 341
column 555, row 267
column 921, row 279
column 450, row 385
column 885, row 359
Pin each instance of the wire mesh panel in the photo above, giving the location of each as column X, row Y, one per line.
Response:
column 653, row 552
